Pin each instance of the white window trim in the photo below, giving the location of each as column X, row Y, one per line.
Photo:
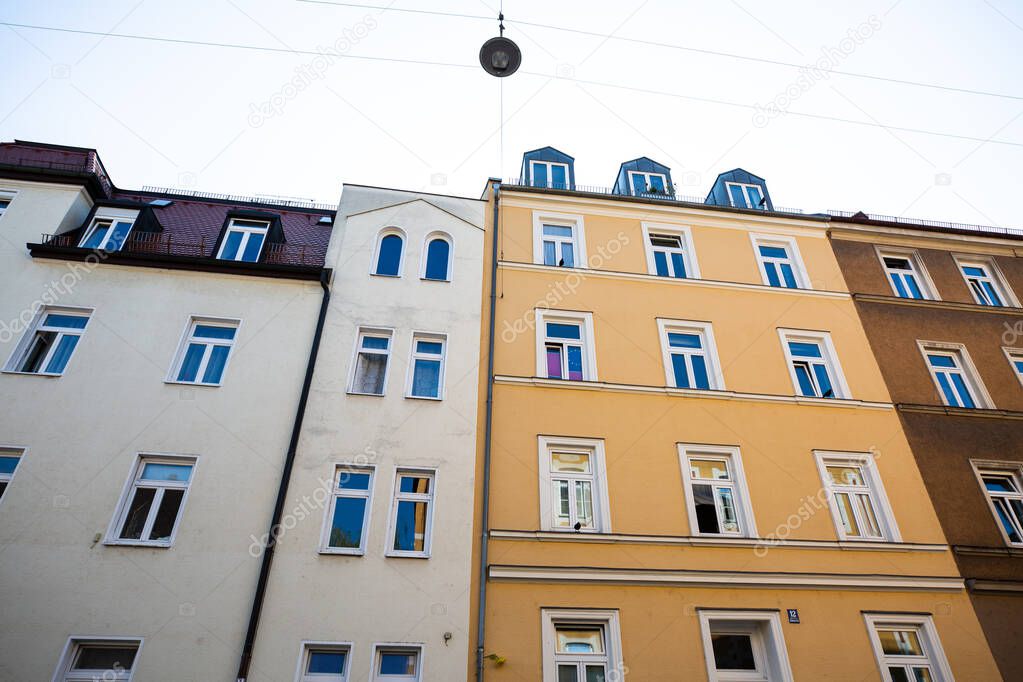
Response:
column 303, row 658
column 883, row 508
column 550, row 181
column 118, row 518
column 243, row 244
column 352, row 365
column 443, row 236
column 606, row 618
column 684, row 233
column 187, row 337
column 378, row 647
column 573, row 220
column 9, row 196
column 924, row 281
column 792, row 247
column 838, row 382
column 601, row 500
column 410, row 369
column 743, row 505
column 1004, row 467
column 392, row 515
column 745, row 195
column 114, row 215
column 930, row 641
column 585, row 320
column 706, row 329
column 991, row 265
column 970, row 374
column 337, row 492
column 29, row 334
column 376, row 251
column 1009, row 353
column 668, row 189
column 71, row 648
column 11, row 450
column 770, row 619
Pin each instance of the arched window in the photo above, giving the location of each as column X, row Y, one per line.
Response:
column 438, row 259
column 389, row 255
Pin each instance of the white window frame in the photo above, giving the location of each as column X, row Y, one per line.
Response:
column 247, row 233
column 7, row 195
column 443, row 236
column 882, row 508
column 791, row 247
column 830, row 357
column 1014, row 355
column 917, row 268
column 17, row 357
column 607, row 619
column 376, row 251
column 435, row 337
column 746, row 186
column 705, row 330
column 740, row 488
column 1013, row 469
column 308, row 646
column 188, row 337
column 341, row 468
column 994, row 274
column 398, row 647
column 75, row 642
column 362, row 332
column 978, row 391
column 127, row 495
column 589, row 351
column 767, row 638
column 572, row 220
column 594, row 447
column 11, row 451
column 113, row 215
column 550, row 178
column 668, row 189
column 431, row 504
column 685, row 235
column 926, row 633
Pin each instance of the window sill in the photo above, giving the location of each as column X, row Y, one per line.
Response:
column 424, row 397
column 432, row 279
column 406, row 555
column 380, row 274
column 51, row 375
column 372, row 395
column 191, row 383
column 573, row 531
column 338, row 551
column 130, row 543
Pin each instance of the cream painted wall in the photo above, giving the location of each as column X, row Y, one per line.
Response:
column 84, row 430
column 372, row 598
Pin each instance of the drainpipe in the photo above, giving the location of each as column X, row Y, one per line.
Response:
column 485, row 518
column 282, row 490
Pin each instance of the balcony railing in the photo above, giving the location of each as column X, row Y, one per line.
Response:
column 155, row 243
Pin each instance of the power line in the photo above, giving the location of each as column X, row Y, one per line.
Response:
column 695, row 98
column 675, row 46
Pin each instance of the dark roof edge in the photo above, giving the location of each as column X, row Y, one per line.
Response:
column 979, row 231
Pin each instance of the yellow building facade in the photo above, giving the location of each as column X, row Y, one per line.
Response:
column 697, row 477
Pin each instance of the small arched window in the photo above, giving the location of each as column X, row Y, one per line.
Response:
column 438, row 259
column 389, row 255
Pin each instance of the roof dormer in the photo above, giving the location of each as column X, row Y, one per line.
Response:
column 740, row 189
column 644, row 177
column 548, row 167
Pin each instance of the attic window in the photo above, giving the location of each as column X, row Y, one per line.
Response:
column 244, row 240
column 326, row 220
column 160, row 203
column 646, row 184
column 108, row 230
column 746, row 196
column 548, row 174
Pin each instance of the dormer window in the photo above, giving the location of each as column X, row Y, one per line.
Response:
column 244, row 240
column 746, row 196
column 548, row 174
column 108, row 230
column 644, row 184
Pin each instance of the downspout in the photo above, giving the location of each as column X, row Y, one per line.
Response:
column 282, row 490
column 485, row 512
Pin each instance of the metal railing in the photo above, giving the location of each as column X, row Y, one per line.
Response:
column 267, row 200
column 155, row 243
column 923, row 222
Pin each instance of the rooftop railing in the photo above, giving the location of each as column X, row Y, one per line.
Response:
column 923, row 222
column 155, row 243
column 288, row 202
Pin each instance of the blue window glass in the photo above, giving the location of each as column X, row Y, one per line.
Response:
column 563, row 331
column 1019, row 365
column 231, row 244
column 678, row 262
column 558, row 177
column 941, row 361
column 252, row 247
column 737, row 197
column 567, row 255
column 8, row 464
column 397, row 664
column 376, row 342
column 557, row 231
column 426, row 378
column 965, row 398
column 812, row 376
column 389, row 258
column 575, row 363
column 805, row 350
column 326, row 662
column 59, row 359
column 661, row 263
column 823, row 381
column 437, row 255
column 117, row 237
column 346, row 524
column 97, row 236
column 677, row 340
column 678, row 363
column 208, row 331
column 656, row 183
column 754, row 196
column 190, row 365
column 550, row 253
column 992, row 295
column 539, row 174
column 410, row 527
column 67, row 321
column 414, row 484
column 434, row 347
column 158, row 471
column 974, row 271
column 216, row 364
column 350, row 480
column 806, row 386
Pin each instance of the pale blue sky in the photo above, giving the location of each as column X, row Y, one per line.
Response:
column 183, row 115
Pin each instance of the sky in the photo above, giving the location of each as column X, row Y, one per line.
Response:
column 310, row 111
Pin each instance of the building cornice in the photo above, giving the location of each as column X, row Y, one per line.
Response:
column 973, row 550
column 976, row 412
column 725, row 579
column 945, row 305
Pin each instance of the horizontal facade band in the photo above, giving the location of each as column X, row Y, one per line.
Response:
column 583, row 273
column 694, row 541
column 942, row 305
column 688, row 392
column 995, row 586
column 977, row 412
column 725, row 579
column 972, row 550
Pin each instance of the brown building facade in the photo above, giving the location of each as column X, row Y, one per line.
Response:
column 940, row 309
